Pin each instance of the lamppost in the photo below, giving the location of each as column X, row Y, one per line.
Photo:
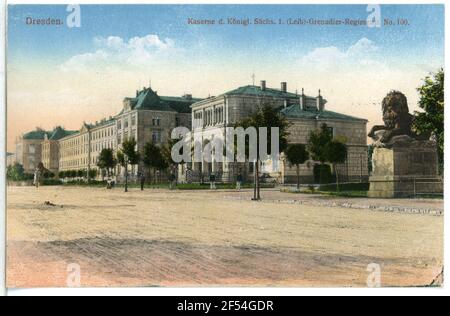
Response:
column 127, row 160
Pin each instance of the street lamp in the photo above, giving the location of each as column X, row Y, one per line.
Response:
column 127, row 160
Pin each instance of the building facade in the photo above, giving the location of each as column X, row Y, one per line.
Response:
column 147, row 117
column 150, row 118
column 211, row 117
column 29, row 149
column 10, row 159
column 50, row 149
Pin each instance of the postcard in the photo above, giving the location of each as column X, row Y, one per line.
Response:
column 225, row 145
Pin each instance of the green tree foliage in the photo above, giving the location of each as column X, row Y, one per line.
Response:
column 297, row 155
column 128, row 151
column 128, row 155
column 49, row 175
column 107, row 161
column 93, row 174
column 154, row 159
column 15, row 172
column 324, row 148
column 336, row 153
column 318, row 142
column 266, row 116
column 431, row 120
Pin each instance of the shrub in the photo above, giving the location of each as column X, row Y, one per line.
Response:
column 322, row 174
column 50, row 182
column 346, row 187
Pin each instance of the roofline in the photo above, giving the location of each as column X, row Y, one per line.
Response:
column 331, row 119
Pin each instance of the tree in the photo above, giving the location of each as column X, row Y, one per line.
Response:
column 92, row 173
column 297, row 155
column 317, row 145
column 154, row 159
column 268, row 117
column 107, row 161
column 49, row 175
column 336, row 153
column 166, row 152
column 62, row 174
column 15, row 172
column 128, row 155
column 432, row 102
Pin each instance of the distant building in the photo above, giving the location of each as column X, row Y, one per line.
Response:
column 50, row 149
column 150, row 118
column 305, row 114
column 147, row 117
column 10, row 159
column 28, row 149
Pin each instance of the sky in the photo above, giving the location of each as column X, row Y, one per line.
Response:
column 62, row 76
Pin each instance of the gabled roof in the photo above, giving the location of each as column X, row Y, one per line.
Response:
column 148, row 99
column 37, row 135
column 60, row 133
column 296, row 112
column 257, row 91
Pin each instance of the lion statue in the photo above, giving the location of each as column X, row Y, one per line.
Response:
column 397, row 121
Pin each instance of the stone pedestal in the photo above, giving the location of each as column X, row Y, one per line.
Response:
column 407, row 169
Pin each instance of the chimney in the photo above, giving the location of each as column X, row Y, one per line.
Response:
column 188, row 96
column 284, row 87
column 320, row 103
column 263, row 85
column 137, row 93
column 303, row 100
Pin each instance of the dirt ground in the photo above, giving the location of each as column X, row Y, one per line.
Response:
column 203, row 238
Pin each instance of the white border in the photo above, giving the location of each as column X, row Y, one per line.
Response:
column 208, row 291
column 2, row 150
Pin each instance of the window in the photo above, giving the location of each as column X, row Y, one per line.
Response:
column 32, row 149
column 119, row 124
column 157, row 121
column 156, row 137
column 330, row 130
column 133, row 120
column 126, row 123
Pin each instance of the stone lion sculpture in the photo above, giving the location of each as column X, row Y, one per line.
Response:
column 397, row 122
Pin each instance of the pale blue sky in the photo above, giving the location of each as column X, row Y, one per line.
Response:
column 54, row 70
column 28, row 44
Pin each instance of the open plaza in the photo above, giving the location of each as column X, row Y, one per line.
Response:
column 168, row 238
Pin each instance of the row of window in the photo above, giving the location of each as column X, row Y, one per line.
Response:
column 125, row 123
column 98, row 147
column 209, row 117
column 103, row 133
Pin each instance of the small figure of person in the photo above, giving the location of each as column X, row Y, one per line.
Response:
column 212, row 180
column 37, row 177
column 142, row 179
column 239, row 180
column 172, row 180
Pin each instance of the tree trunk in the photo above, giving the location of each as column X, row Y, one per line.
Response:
column 258, row 186
column 337, row 178
column 255, row 188
column 126, row 177
column 298, row 177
